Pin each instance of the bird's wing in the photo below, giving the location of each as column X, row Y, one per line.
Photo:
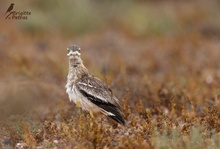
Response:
column 99, row 94
column 96, row 88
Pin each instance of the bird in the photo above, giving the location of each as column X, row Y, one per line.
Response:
column 10, row 8
column 88, row 91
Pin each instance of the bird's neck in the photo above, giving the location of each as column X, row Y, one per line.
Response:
column 77, row 69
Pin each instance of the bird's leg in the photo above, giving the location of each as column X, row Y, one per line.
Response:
column 78, row 105
column 91, row 114
column 92, row 118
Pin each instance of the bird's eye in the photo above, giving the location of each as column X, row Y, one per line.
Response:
column 68, row 50
column 79, row 50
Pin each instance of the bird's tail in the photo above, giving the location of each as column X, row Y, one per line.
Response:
column 113, row 112
column 109, row 109
column 118, row 119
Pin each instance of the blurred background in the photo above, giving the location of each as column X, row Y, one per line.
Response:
column 144, row 48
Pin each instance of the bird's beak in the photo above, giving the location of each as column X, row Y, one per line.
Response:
column 73, row 53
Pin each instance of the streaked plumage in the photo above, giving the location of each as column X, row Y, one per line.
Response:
column 88, row 91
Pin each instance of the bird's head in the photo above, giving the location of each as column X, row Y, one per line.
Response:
column 73, row 52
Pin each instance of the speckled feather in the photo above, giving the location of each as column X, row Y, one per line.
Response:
column 88, row 91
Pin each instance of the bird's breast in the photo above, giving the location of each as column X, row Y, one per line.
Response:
column 79, row 99
column 72, row 92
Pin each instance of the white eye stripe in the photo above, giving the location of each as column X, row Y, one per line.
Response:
column 71, row 52
column 78, row 53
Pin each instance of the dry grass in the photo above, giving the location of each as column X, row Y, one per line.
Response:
column 164, row 70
